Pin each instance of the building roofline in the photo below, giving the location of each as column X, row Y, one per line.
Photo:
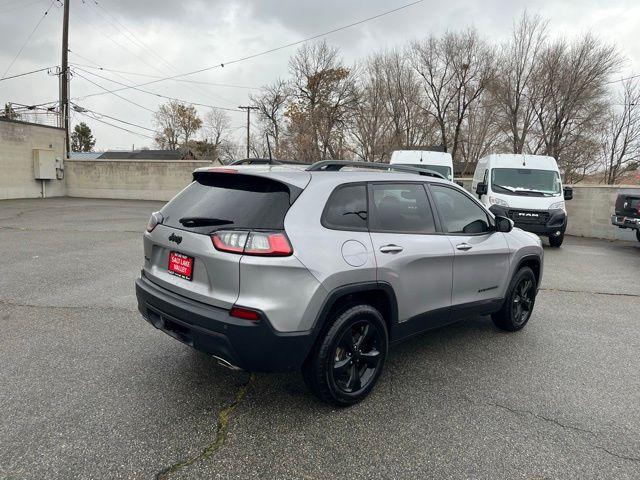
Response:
column 21, row 122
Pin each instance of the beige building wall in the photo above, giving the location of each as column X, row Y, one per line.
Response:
column 129, row 179
column 17, row 142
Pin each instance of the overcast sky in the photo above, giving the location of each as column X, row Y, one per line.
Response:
column 186, row 35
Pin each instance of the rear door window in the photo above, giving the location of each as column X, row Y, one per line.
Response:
column 400, row 208
column 346, row 208
column 229, row 201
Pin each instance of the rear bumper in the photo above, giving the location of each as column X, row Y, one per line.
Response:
column 248, row 345
column 625, row 222
column 557, row 222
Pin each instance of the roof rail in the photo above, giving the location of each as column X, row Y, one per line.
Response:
column 337, row 165
column 264, row 161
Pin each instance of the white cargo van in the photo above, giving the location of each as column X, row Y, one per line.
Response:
column 527, row 189
column 440, row 162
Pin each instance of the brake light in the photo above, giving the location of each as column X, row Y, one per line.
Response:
column 268, row 244
column 244, row 313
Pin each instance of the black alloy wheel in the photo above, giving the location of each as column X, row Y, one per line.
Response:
column 522, row 303
column 357, row 357
column 348, row 358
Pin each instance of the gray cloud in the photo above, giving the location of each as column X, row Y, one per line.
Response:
column 190, row 34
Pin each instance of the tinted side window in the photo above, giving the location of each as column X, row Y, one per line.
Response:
column 346, row 208
column 458, row 212
column 402, row 208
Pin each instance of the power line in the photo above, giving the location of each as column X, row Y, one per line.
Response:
column 271, row 50
column 125, row 72
column 26, row 73
column 149, row 92
column 131, row 37
column 622, row 79
column 108, row 91
column 116, row 126
column 79, row 109
column 27, row 40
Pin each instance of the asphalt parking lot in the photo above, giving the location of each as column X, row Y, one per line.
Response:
column 89, row 390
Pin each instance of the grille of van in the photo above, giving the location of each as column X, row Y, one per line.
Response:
column 531, row 217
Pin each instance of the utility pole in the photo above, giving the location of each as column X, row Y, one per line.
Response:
column 64, row 77
column 248, row 108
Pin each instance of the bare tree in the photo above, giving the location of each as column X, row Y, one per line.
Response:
column 371, row 120
column 403, row 94
column 271, row 104
column 621, row 137
column 323, row 100
column 514, row 80
column 176, row 124
column 455, row 71
column 480, row 134
column 570, row 96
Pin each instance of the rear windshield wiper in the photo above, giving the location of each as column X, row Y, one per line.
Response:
column 203, row 221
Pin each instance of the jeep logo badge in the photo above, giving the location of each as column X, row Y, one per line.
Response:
column 175, row 238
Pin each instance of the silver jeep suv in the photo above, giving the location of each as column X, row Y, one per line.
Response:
column 321, row 268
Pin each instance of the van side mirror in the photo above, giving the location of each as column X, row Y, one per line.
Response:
column 481, row 188
column 568, row 193
column 504, row 224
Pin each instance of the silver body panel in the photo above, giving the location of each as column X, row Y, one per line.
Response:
column 430, row 273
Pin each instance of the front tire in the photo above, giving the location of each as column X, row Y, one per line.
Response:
column 519, row 302
column 348, row 359
column 556, row 241
column 638, row 235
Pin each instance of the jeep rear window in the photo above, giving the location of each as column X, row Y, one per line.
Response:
column 228, row 201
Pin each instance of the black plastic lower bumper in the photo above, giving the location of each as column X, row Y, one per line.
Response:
column 249, row 345
column 556, row 221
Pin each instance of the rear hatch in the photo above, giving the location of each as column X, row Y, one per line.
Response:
column 217, row 200
column 628, row 205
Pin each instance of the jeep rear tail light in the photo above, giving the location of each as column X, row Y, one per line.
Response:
column 267, row 244
column 232, row 241
column 272, row 244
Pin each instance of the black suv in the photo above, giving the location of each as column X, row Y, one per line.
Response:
column 627, row 212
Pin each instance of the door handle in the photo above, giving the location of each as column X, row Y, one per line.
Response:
column 464, row 246
column 391, row 248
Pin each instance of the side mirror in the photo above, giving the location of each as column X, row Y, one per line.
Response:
column 481, row 188
column 504, row 224
column 568, row 193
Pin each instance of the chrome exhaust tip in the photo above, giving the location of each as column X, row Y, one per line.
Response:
column 225, row 363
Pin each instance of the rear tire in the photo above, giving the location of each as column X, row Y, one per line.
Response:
column 638, row 235
column 556, row 241
column 518, row 304
column 348, row 359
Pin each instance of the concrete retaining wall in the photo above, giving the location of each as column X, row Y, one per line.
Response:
column 591, row 209
column 18, row 140
column 129, row 179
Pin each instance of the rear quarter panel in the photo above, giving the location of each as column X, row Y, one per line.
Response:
column 321, row 249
